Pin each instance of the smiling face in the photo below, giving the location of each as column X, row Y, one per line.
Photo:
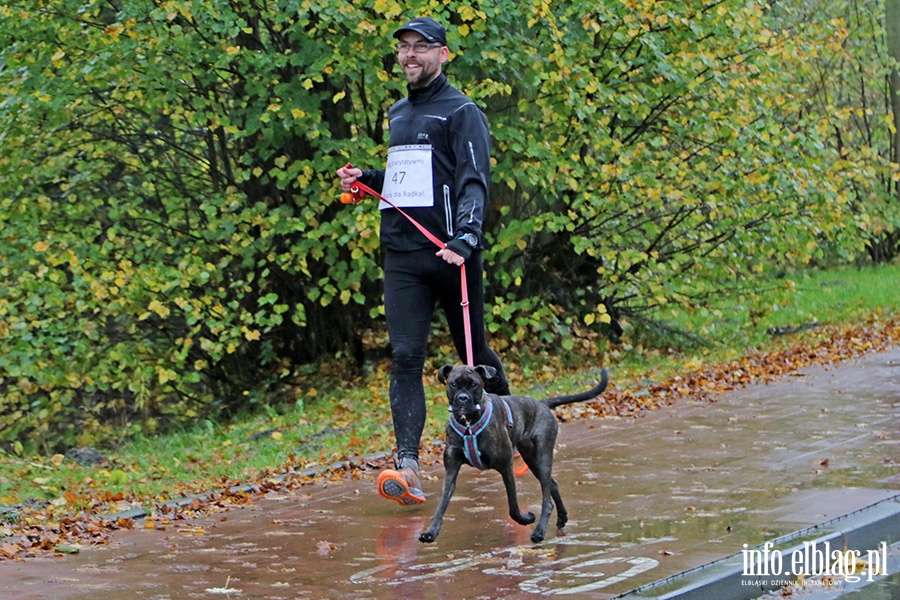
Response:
column 421, row 69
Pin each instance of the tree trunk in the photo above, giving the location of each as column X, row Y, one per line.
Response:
column 892, row 29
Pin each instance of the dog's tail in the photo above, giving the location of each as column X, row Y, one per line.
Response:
column 588, row 395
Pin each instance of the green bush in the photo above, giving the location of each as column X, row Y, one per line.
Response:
column 172, row 245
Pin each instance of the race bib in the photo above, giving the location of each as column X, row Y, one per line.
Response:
column 407, row 177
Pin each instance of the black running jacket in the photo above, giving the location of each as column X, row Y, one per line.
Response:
column 456, row 130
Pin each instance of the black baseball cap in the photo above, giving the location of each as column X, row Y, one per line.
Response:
column 427, row 27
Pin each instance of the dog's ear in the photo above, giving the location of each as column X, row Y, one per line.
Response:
column 444, row 372
column 486, row 372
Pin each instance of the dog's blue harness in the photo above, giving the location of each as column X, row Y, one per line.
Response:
column 470, row 434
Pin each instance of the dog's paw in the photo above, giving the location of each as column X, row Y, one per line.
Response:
column 561, row 521
column 524, row 518
column 427, row 537
column 537, row 536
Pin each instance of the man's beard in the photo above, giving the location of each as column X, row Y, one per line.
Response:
column 422, row 77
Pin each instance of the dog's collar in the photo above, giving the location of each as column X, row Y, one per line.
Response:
column 470, row 434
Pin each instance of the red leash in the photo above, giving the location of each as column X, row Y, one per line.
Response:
column 359, row 191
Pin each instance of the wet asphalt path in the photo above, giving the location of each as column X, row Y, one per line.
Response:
column 647, row 497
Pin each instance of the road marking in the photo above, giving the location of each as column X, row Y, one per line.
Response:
column 570, row 575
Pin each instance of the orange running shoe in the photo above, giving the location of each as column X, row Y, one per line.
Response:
column 519, row 466
column 401, row 485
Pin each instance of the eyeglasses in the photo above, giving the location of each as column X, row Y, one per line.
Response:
column 418, row 47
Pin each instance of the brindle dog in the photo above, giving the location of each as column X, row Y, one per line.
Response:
column 485, row 430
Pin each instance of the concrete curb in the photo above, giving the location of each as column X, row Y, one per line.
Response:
column 140, row 512
column 315, row 471
column 861, row 530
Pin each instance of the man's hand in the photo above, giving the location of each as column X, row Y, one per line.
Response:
column 451, row 257
column 348, row 177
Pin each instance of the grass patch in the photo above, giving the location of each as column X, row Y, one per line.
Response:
column 766, row 318
column 335, row 412
column 312, row 431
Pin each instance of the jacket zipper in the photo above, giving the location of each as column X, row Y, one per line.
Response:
column 448, row 213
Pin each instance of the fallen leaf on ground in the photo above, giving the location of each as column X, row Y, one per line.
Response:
column 324, row 548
